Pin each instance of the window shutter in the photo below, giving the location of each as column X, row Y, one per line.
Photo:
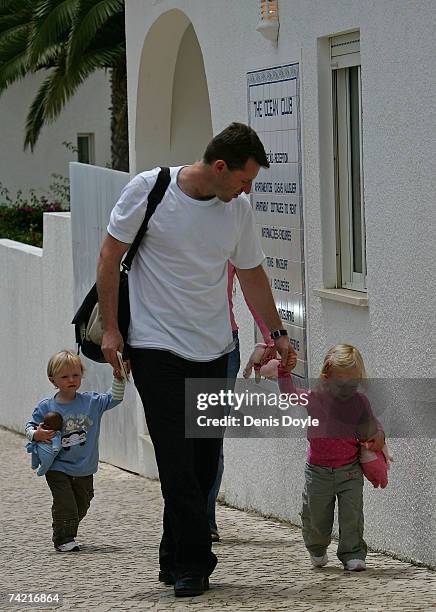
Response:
column 345, row 50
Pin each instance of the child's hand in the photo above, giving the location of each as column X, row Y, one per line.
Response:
column 269, row 353
column 254, row 360
column 376, row 442
column 43, row 435
column 270, row 369
column 118, row 373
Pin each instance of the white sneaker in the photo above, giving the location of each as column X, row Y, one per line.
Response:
column 68, row 547
column 319, row 561
column 355, row 565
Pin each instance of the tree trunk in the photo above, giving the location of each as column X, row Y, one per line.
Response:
column 119, row 121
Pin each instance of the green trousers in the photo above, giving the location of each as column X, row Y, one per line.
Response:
column 322, row 487
column 71, row 499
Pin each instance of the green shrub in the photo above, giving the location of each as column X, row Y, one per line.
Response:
column 21, row 219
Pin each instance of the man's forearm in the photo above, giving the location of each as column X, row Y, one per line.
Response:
column 257, row 290
column 108, row 280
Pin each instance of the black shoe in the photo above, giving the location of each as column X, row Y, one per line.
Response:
column 189, row 586
column 167, row 577
column 214, row 535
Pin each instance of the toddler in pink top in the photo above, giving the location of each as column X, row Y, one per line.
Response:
column 333, row 470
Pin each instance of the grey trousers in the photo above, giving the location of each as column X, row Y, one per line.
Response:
column 322, row 487
column 71, row 499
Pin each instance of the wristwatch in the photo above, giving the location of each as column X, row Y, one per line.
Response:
column 277, row 333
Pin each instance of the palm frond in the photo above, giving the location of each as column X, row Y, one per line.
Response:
column 69, row 39
column 57, row 89
column 14, row 7
column 93, row 17
column 52, row 23
column 14, row 20
column 13, row 56
column 35, row 116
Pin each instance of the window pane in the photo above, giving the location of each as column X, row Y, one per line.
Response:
column 83, row 149
column 356, row 207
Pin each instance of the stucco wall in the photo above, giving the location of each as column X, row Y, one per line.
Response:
column 36, row 309
column 86, row 112
column 396, row 332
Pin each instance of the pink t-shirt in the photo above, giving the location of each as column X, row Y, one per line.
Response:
column 231, row 270
column 335, row 441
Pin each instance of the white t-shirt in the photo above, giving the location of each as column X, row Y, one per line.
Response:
column 178, row 280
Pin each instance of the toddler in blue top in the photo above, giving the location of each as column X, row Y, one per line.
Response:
column 70, row 475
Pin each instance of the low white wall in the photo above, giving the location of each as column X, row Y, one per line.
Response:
column 36, row 289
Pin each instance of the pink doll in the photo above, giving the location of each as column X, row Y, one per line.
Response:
column 375, row 465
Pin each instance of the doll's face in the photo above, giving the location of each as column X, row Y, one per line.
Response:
column 52, row 421
column 343, row 382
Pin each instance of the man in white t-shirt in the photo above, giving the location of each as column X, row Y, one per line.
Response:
column 180, row 322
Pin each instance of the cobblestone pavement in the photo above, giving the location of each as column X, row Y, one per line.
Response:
column 262, row 563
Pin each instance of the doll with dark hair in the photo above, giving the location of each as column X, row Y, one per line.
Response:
column 44, row 453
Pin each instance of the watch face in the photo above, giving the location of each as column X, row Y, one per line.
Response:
column 282, row 332
column 278, row 333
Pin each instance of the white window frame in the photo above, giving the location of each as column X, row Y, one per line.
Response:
column 91, row 147
column 345, row 55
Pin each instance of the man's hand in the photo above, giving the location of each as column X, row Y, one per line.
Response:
column 287, row 353
column 43, row 435
column 112, row 342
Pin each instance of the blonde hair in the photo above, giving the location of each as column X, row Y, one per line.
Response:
column 343, row 356
column 61, row 359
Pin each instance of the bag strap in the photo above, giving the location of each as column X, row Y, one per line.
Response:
column 154, row 198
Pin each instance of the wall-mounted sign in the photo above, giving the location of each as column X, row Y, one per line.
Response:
column 276, row 197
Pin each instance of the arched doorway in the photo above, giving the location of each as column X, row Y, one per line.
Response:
column 173, row 118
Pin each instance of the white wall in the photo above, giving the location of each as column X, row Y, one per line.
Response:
column 86, row 112
column 171, row 119
column 190, row 104
column 36, row 307
column 396, row 333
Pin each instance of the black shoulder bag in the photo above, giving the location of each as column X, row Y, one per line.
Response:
column 87, row 320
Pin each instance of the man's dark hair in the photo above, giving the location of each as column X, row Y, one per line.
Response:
column 236, row 145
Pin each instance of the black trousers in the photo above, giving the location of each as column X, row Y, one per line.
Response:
column 71, row 499
column 187, row 467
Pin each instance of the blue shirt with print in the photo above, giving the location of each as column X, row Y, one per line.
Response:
column 80, row 431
